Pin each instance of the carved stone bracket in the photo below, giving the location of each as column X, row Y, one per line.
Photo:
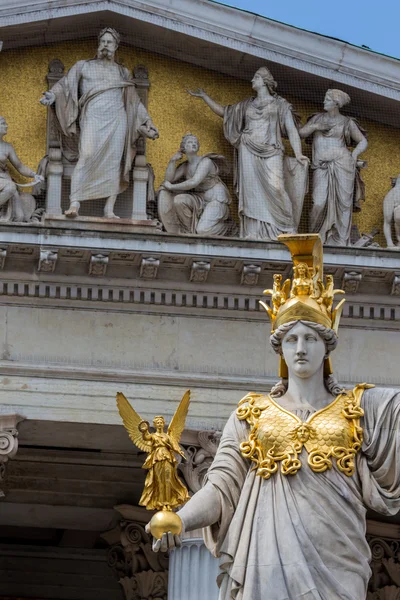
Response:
column 3, row 256
column 98, row 264
column 8, row 443
column 351, row 282
column 199, row 271
column 47, row 260
column 142, row 573
column 396, row 285
column 199, row 458
column 250, row 274
column 385, row 580
column 149, row 267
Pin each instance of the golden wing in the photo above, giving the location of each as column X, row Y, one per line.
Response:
column 177, row 424
column 286, row 289
column 131, row 422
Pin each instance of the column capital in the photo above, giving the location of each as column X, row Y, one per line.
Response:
column 142, row 573
column 8, row 443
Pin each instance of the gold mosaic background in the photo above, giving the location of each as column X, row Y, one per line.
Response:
column 173, row 111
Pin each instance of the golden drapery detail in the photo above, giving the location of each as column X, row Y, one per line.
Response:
column 278, row 436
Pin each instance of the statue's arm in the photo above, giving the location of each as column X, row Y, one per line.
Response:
column 202, row 510
column 199, row 176
column 217, row 108
column 19, row 165
column 294, row 138
column 388, row 210
column 359, row 138
column 174, row 173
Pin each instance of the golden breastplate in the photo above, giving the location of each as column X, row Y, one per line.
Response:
column 278, row 436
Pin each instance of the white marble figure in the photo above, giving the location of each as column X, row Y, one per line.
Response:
column 193, row 198
column 336, row 181
column 270, row 187
column 299, row 536
column 391, row 213
column 99, row 94
column 14, row 205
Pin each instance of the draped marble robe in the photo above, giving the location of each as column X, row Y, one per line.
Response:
column 337, row 184
column 270, row 186
column 110, row 113
column 302, row 537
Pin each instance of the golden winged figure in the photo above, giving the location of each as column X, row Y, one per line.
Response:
column 163, row 490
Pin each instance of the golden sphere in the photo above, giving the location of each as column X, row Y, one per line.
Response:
column 164, row 521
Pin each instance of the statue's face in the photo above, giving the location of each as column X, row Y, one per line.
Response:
column 191, row 144
column 301, row 272
column 159, row 423
column 3, row 126
column 303, row 350
column 257, row 82
column 329, row 103
column 107, row 46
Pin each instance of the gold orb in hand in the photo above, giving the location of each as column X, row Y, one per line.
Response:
column 164, row 521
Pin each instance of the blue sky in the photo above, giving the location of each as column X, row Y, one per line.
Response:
column 373, row 23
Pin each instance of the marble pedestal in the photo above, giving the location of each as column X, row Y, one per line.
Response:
column 192, row 571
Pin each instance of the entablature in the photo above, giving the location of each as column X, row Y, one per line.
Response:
column 209, row 276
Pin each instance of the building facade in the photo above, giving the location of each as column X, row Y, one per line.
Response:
column 93, row 306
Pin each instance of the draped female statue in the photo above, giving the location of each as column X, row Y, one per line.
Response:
column 285, row 499
column 270, row 186
column 193, row 198
column 336, row 182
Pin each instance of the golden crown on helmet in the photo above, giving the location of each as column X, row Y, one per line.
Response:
column 306, row 297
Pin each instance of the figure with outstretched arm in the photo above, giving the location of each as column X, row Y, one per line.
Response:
column 264, row 176
column 96, row 104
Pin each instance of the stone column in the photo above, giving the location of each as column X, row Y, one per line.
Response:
column 192, row 571
column 140, row 182
column 55, row 167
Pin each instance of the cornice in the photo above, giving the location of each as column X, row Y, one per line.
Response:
column 187, row 275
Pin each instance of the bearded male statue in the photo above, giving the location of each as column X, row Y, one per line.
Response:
column 97, row 99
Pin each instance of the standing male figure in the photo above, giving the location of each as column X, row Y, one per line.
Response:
column 101, row 95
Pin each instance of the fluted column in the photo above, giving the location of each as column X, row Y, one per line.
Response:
column 192, row 571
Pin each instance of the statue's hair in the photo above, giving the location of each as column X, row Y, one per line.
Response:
column 327, row 335
column 159, row 417
column 186, row 137
column 112, row 32
column 268, row 79
column 339, row 97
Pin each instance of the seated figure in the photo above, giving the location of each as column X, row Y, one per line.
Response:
column 14, row 206
column 391, row 212
column 193, row 198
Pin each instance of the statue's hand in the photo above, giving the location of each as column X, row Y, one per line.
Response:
column 48, row 98
column 38, row 178
column 177, row 156
column 149, row 130
column 144, row 426
column 168, row 541
column 199, row 93
column 303, row 160
column 168, row 185
column 322, row 125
